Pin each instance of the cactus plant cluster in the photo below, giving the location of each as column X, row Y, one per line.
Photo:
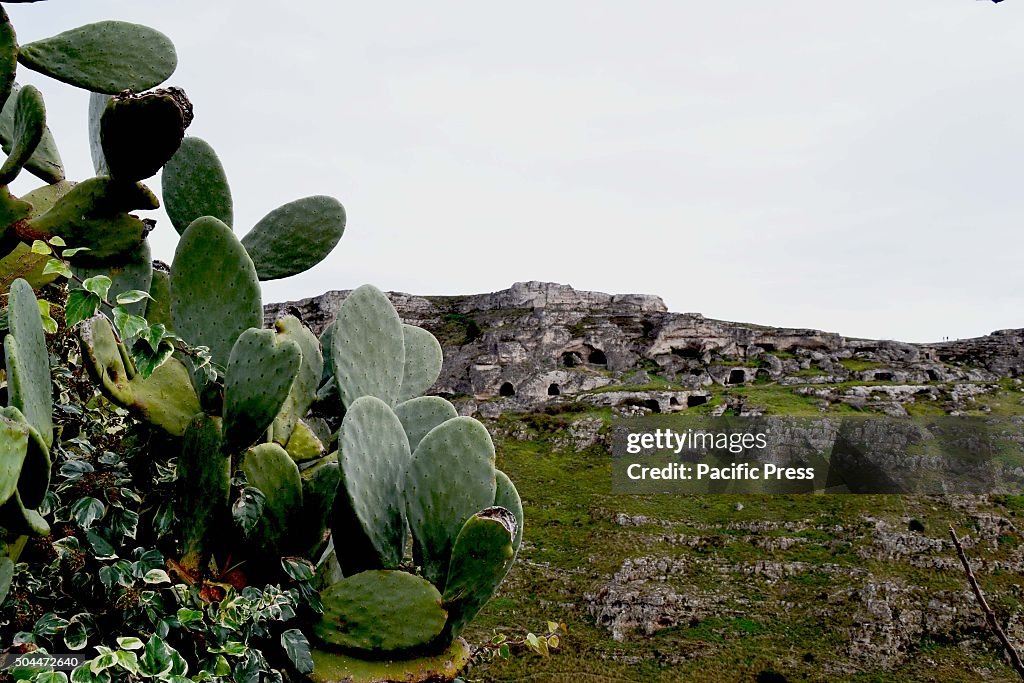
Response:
column 401, row 466
column 26, row 429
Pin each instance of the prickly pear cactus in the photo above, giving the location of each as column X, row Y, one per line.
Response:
column 195, row 185
column 260, row 372
column 140, row 133
column 295, row 237
column 204, row 490
column 420, row 415
column 215, row 294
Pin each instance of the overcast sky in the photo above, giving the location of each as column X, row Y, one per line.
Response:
column 850, row 166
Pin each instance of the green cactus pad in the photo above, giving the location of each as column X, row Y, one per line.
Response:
column 319, row 487
column 450, row 479
column 44, row 198
column 368, row 347
column 303, row 390
column 327, row 344
column 8, row 61
column 166, row 399
column 45, row 162
column 158, row 306
column 12, row 210
column 134, row 273
column 215, row 294
column 18, row 519
column 29, row 126
column 380, row 613
column 268, row 468
column 105, row 57
column 24, row 263
column 303, row 444
column 369, row 511
column 28, row 362
column 13, row 449
column 195, row 185
column 140, row 133
column 204, row 490
column 423, row 359
column 507, row 496
column 260, row 371
column 6, row 576
column 481, row 557
column 97, row 105
column 33, row 475
column 420, row 415
column 295, row 237
column 334, row 667
column 94, row 214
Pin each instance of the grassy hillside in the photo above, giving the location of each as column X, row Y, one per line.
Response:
column 815, row 588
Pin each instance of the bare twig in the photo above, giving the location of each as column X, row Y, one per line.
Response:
column 990, row 616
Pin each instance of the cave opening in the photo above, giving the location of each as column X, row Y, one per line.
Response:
column 507, row 390
column 597, row 357
column 737, row 377
column 687, row 352
column 571, row 359
column 554, row 390
column 696, row 400
column 883, row 376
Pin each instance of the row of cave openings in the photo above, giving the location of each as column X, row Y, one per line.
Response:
column 570, row 359
column 508, row 390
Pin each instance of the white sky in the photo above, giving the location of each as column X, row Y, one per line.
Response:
column 850, row 166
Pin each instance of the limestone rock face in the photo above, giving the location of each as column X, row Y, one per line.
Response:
column 537, row 343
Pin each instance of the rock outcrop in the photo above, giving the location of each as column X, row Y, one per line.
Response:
column 537, row 343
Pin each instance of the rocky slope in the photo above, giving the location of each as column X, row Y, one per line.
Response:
column 537, row 343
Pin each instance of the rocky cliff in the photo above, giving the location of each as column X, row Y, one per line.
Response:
column 537, row 343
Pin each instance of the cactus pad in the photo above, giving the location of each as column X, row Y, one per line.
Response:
column 423, row 359
column 420, row 415
column 134, row 273
column 260, row 371
column 380, row 613
column 45, row 162
column 215, row 295
column 94, row 214
column 28, row 362
column 32, row 476
column 295, row 237
column 319, row 487
column 507, row 496
column 481, row 557
column 158, row 306
column 333, row 667
column 368, row 347
column 268, row 468
column 105, row 57
column 303, row 444
column 303, row 390
column 97, row 105
column 204, row 490
column 450, row 479
column 21, row 520
column 195, row 185
column 29, row 126
column 8, row 63
column 140, row 133
column 166, row 399
column 369, row 510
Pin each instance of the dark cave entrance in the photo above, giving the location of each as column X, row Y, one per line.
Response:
column 695, row 400
column 933, row 376
column 597, row 357
column 737, row 377
column 507, row 390
column 883, row 376
column 554, row 390
column 687, row 352
column 571, row 359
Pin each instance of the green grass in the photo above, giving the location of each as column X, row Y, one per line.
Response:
column 859, row 365
column 573, row 546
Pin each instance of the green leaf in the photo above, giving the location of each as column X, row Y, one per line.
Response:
column 248, row 509
column 297, row 568
column 297, row 648
column 81, row 305
column 49, row 625
column 504, row 652
column 129, row 661
column 83, row 674
column 41, row 247
column 58, row 267
column 186, row 616
column 132, row 296
column 154, row 335
column 50, row 677
column 130, row 643
column 98, row 285
column 100, row 545
column 129, row 326
column 156, row 576
column 75, row 636
column 86, row 511
column 156, row 660
column 146, row 361
column 58, row 241
column 68, row 253
column 104, row 661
